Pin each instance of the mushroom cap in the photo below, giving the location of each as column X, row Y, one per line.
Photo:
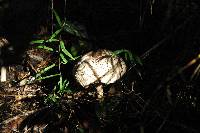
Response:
column 3, row 42
column 99, row 67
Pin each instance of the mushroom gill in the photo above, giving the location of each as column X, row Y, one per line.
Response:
column 99, row 67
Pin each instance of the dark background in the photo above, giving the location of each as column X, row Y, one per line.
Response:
column 136, row 25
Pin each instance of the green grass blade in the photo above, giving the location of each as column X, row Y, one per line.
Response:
column 71, row 28
column 133, row 58
column 57, row 18
column 65, row 51
column 120, row 51
column 45, row 70
column 64, row 88
column 65, row 83
column 63, row 59
column 138, row 60
column 60, row 83
column 37, row 41
column 45, row 47
column 55, row 34
column 52, row 40
column 49, row 76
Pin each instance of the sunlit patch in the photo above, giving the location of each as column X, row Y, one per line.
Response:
column 99, row 67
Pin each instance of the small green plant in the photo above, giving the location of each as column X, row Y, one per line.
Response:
column 61, row 88
column 132, row 58
column 129, row 56
column 55, row 44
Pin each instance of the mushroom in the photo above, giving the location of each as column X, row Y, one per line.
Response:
column 3, row 43
column 98, row 68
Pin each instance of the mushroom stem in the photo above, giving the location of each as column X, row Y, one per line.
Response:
column 100, row 92
column 3, row 42
column 3, row 74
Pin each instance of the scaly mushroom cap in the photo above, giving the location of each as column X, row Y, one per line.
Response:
column 99, row 67
column 3, row 42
